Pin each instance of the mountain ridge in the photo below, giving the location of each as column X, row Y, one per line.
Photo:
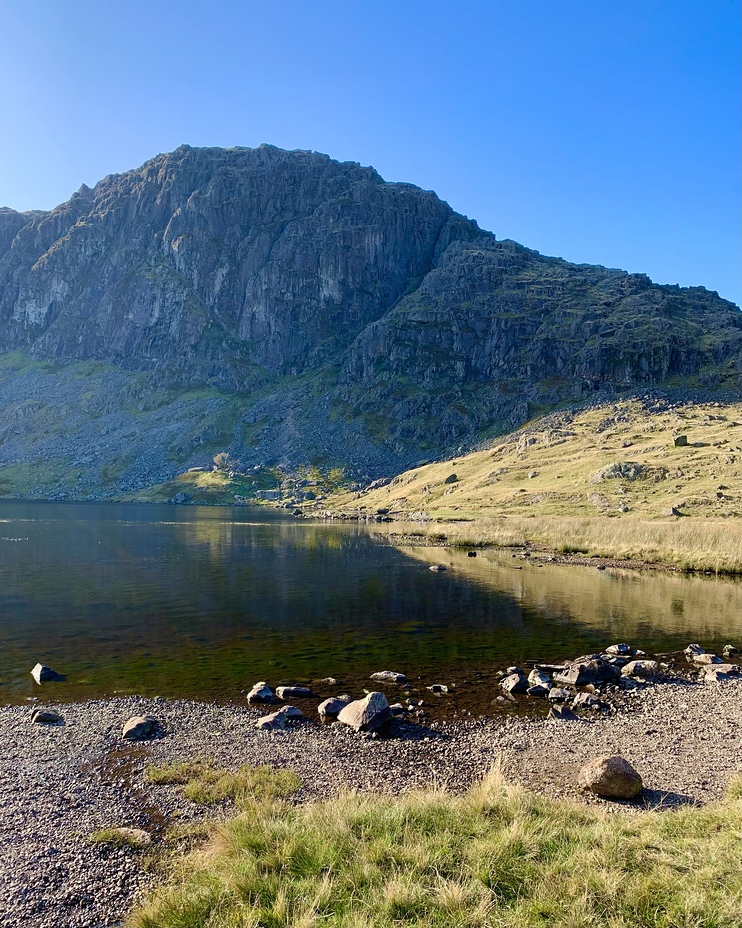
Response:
column 288, row 308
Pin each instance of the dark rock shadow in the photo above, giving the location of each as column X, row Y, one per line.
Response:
column 659, row 799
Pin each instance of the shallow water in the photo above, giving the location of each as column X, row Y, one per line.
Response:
column 202, row 602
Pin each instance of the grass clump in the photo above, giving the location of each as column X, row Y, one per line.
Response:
column 497, row 857
column 206, row 784
column 134, row 838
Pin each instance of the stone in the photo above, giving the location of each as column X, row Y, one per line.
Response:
column 536, row 689
column 134, row 837
column 692, row 650
column 538, row 678
column 558, row 694
column 610, row 776
column 42, row 674
column 514, row 683
column 437, row 567
column 388, row 676
column 398, row 709
column 562, row 714
column 619, row 650
column 680, row 441
column 139, row 728
column 584, row 670
column 729, row 650
column 276, row 721
column 332, row 706
column 586, row 701
column 293, row 692
column 716, row 673
column 471, row 553
column 366, row 714
column 292, row 712
column 706, row 659
column 641, row 670
column 261, row 692
column 438, row 688
column 45, row 717
column 452, row 478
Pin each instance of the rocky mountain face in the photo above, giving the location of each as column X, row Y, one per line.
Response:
column 289, row 308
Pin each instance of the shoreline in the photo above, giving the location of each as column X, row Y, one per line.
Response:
column 60, row 783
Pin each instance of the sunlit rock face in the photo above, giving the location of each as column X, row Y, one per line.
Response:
column 335, row 317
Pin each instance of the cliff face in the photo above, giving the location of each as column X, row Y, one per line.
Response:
column 285, row 306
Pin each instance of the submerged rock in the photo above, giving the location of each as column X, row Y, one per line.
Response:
column 388, row 676
column 293, row 692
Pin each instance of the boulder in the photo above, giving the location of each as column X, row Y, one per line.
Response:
column 558, row 694
column 716, row 672
column 276, row 721
column 139, row 728
column 514, row 683
column 41, row 673
column 729, row 650
column 619, row 650
column 692, row 650
column 641, row 670
column 584, row 670
column 538, row 678
column 45, row 717
column 562, row 714
column 586, row 701
column 293, row 692
column 612, row 777
column 292, row 712
column 388, row 676
column 366, row 714
column 537, row 689
column 261, row 692
column 398, row 709
column 332, row 706
column 702, row 659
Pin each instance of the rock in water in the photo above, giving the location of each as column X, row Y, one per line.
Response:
column 139, row 728
column 366, row 714
column 332, row 706
column 388, row 676
column 42, row 674
column 293, row 692
column 610, row 776
column 261, row 692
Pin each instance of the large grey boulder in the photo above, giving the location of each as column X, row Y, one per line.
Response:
column 388, row 676
column 619, row 650
column 641, row 670
column 610, row 776
column 41, row 673
column 586, row 670
column 366, row 714
column 139, row 728
column 702, row 659
column 538, row 678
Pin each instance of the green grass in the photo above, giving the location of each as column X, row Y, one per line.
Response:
column 496, row 857
column 206, row 784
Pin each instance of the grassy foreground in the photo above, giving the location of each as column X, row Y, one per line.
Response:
column 496, row 856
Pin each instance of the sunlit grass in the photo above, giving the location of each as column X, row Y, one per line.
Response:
column 497, row 857
column 206, row 784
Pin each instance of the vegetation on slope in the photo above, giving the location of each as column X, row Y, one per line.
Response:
column 610, row 481
column 497, row 856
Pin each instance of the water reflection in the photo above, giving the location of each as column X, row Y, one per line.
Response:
column 202, row 602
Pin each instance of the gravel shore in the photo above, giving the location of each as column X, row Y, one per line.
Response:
column 61, row 782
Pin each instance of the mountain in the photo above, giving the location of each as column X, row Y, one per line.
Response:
column 291, row 309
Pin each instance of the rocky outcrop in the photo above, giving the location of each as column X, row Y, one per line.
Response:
column 284, row 306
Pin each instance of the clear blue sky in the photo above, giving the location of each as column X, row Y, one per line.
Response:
column 603, row 132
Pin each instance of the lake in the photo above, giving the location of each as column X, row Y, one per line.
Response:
column 202, row 602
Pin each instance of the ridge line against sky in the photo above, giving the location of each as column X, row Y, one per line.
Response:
column 604, row 134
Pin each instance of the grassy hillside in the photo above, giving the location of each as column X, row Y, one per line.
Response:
column 611, row 480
